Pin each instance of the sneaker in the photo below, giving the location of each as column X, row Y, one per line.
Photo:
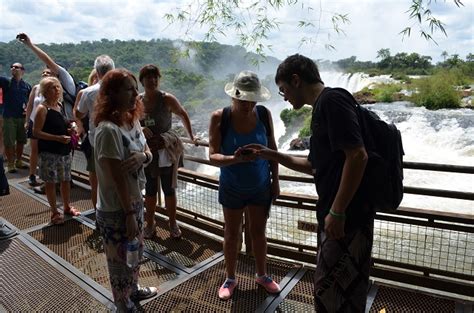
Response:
column 33, row 182
column 175, row 232
column 40, row 189
column 227, row 289
column 143, row 293
column 149, row 232
column 21, row 165
column 268, row 283
column 11, row 168
column 6, row 232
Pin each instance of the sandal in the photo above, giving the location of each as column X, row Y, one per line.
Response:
column 72, row 211
column 57, row 219
column 175, row 232
column 149, row 231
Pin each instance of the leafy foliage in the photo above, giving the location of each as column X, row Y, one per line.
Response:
column 420, row 12
column 253, row 21
column 437, row 91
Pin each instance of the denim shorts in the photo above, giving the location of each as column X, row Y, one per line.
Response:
column 233, row 199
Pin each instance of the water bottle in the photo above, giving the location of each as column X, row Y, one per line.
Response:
column 132, row 253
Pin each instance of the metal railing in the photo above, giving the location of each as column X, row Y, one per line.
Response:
column 416, row 246
column 411, row 245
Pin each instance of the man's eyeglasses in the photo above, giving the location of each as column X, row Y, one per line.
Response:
column 17, row 67
column 281, row 93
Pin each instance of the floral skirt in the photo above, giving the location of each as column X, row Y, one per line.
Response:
column 54, row 168
column 123, row 279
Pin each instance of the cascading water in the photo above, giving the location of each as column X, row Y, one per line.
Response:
column 443, row 136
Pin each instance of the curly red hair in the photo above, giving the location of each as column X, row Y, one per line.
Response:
column 106, row 109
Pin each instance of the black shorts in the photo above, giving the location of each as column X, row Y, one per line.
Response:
column 166, row 177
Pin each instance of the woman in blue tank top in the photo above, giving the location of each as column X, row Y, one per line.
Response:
column 246, row 182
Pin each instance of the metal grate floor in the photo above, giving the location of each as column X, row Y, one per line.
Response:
column 29, row 283
column 399, row 300
column 188, row 251
column 63, row 268
column 199, row 294
column 82, row 247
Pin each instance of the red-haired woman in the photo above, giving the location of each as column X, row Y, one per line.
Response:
column 121, row 153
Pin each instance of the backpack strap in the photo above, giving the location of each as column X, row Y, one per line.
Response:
column 225, row 118
column 263, row 116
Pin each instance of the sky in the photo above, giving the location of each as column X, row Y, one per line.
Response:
column 374, row 25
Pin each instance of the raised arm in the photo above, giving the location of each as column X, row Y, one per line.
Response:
column 40, row 53
column 173, row 103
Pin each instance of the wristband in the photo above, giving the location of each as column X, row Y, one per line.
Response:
column 130, row 212
column 341, row 216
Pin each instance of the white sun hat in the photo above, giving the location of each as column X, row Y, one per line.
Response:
column 246, row 86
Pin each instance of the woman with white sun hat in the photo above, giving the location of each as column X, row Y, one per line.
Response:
column 246, row 182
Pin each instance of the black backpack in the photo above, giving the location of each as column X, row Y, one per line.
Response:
column 383, row 177
column 261, row 112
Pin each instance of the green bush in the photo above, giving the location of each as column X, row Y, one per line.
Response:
column 290, row 116
column 437, row 91
column 385, row 92
column 306, row 130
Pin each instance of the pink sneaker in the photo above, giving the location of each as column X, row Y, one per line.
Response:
column 268, row 283
column 227, row 289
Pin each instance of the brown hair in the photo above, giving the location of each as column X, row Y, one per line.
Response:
column 149, row 70
column 106, row 109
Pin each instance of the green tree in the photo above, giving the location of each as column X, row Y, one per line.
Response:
column 385, row 58
column 444, row 54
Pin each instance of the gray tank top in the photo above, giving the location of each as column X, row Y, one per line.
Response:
column 158, row 120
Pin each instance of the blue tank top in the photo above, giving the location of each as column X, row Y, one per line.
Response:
column 245, row 177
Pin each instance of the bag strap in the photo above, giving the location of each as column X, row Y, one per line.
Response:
column 264, row 117
column 225, row 118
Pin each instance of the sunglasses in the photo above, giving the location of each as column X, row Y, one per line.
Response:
column 17, row 67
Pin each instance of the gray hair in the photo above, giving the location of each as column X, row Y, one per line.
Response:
column 102, row 64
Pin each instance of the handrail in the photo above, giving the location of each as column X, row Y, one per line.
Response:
column 425, row 274
column 463, row 195
column 406, row 164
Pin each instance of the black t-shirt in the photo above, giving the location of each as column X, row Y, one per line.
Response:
column 335, row 126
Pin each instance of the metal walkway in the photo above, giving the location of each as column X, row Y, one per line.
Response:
column 63, row 268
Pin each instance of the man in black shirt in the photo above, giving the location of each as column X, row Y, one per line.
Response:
column 337, row 161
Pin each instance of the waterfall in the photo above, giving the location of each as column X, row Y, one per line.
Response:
column 443, row 136
column 352, row 82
